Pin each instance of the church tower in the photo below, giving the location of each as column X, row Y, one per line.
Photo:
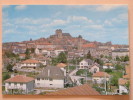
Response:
column 58, row 32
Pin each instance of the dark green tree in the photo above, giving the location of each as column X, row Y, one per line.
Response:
column 88, row 56
column 5, row 76
column 62, row 58
column 27, row 54
column 9, row 67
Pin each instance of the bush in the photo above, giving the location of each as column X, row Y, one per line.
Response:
column 108, row 70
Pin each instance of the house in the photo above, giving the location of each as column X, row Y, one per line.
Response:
column 57, row 52
column 82, row 90
column 122, row 86
column 100, row 77
column 50, row 77
column 120, row 52
column 30, row 63
column 62, row 67
column 94, row 68
column 19, row 83
column 37, row 51
column 18, row 51
column 108, row 66
column 122, row 82
column 22, row 56
column 43, row 60
column 85, row 63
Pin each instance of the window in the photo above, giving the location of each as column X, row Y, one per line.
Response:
column 38, row 79
column 51, row 84
column 50, row 79
column 21, row 84
column 9, row 83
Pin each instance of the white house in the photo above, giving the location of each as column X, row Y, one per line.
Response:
column 19, row 84
column 94, row 68
column 51, row 77
column 120, row 52
column 57, row 52
column 122, row 86
column 100, row 77
column 85, row 63
column 37, row 51
column 30, row 63
column 108, row 66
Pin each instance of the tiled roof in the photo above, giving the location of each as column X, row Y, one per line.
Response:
column 126, row 76
column 77, row 90
column 122, row 81
column 61, row 65
column 108, row 64
column 20, row 78
column 101, row 74
column 30, row 61
column 52, row 72
column 91, row 45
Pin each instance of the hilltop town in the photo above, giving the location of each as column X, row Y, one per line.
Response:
column 61, row 64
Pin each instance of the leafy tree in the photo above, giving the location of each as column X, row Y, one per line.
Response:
column 117, row 58
column 108, row 70
column 101, row 56
column 88, row 56
column 99, row 61
column 62, row 58
column 9, row 67
column 27, row 54
column 126, row 58
column 119, row 67
column 115, row 77
column 5, row 76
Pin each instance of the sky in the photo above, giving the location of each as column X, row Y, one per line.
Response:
column 101, row 23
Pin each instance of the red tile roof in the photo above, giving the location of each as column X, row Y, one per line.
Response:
column 61, row 65
column 91, row 45
column 20, row 78
column 101, row 74
column 122, row 81
column 30, row 61
column 77, row 90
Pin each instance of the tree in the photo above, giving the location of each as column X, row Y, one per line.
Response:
column 9, row 67
column 27, row 54
column 117, row 58
column 119, row 67
column 88, row 56
column 32, row 50
column 126, row 58
column 62, row 58
column 115, row 77
column 5, row 76
column 99, row 61
column 108, row 70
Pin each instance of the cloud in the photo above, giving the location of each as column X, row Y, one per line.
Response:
column 79, row 18
column 108, row 7
column 21, row 7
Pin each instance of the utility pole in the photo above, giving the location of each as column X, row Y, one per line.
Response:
column 105, row 84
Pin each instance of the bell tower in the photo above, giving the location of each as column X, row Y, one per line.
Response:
column 58, row 32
